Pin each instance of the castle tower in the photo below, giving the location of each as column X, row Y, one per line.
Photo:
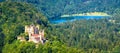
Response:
column 35, row 34
column 42, row 33
column 37, row 27
column 26, row 29
column 32, row 29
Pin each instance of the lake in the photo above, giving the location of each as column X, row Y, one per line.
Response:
column 70, row 19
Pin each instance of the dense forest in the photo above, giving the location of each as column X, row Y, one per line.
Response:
column 13, row 17
column 56, row 8
column 98, row 36
column 80, row 36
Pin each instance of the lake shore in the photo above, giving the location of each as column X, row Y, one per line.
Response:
column 87, row 14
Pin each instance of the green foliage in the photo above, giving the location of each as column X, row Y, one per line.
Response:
column 2, row 40
column 19, row 47
column 28, row 47
column 56, row 8
column 93, row 35
column 116, row 49
column 57, row 47
column 84, row 36
column 13, row 17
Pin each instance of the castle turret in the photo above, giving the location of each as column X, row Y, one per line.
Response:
column 42, row 33
column 37, row 27
column 26, row 29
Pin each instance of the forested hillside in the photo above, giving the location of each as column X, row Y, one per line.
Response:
column 56, row 8
column 13, row 17
column 80, row 36
column 93, row 35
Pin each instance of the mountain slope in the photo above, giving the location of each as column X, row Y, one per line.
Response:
column 13, row 17
column 56, row 8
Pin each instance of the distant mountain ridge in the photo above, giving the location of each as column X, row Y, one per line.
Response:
column 56, row 8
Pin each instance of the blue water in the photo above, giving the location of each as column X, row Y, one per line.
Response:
column 70, row 19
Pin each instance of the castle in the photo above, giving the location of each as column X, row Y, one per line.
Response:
column 35, row 34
